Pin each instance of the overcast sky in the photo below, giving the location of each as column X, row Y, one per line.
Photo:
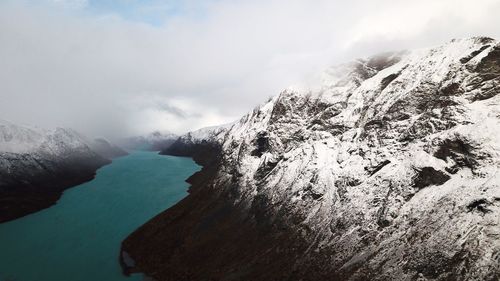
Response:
column 123, row 67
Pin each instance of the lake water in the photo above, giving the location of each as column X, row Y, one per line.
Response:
column 79, row 238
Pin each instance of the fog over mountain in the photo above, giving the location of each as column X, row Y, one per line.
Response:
column 110, row 70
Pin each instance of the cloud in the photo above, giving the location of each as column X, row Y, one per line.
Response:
column 71, row 4
column 151, row 111
column 109, row 72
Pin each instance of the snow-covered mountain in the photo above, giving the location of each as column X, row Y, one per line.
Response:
column 25, row 139
column 205, row 134
column 387, row 170
column 155, row 141
column 200, row 140
column 36, row 165
column 106, row 149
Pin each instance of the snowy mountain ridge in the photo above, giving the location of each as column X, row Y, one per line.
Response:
column 25, row 139
column 36, row 165
column 388, row 170
column 18, row 139
column 210, row 134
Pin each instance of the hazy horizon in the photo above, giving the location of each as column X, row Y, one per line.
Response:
column 122, row 68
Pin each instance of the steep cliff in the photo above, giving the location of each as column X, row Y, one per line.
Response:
column 387, row 170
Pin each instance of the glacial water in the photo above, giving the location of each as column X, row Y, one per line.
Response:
column 78, row 239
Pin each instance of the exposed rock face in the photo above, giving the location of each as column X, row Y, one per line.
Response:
column 37, row 165
column 388, row 171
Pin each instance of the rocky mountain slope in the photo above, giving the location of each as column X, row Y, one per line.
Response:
column 36, row 165
column 202, row 143
column 388, row 170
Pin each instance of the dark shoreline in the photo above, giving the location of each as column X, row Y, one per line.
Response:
column 206, row 155
column 210, row 236
column 33, row 193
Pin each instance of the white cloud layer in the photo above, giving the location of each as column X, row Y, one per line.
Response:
column 105, row 75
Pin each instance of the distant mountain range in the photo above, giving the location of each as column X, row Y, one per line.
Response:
column 155, row 141
column 386, row 170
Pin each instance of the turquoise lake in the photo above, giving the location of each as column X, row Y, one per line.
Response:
column 78, row 239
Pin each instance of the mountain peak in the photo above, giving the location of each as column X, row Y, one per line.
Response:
column 378, row 171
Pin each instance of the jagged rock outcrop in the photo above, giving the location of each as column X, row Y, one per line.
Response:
column 37, row 165
column 387, row 171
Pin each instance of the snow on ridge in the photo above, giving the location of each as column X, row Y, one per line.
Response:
column 25, row 139
column 211, row 133
column 383, row 152
column 19, row 139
